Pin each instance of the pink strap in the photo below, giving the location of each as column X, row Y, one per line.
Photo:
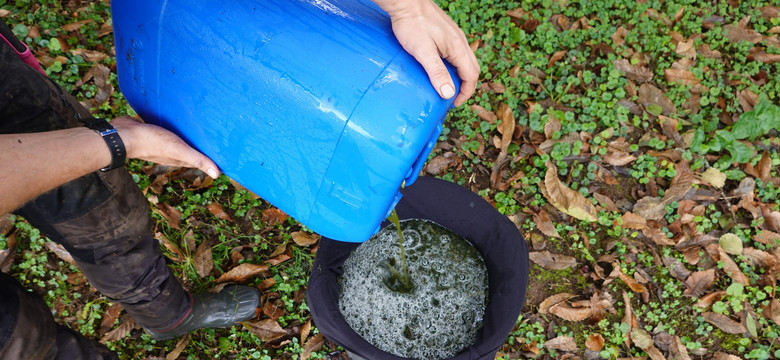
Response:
column 26, row 56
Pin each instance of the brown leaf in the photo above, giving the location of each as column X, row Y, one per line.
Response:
column 682, row 76
column 676, row 268
column 440, row 164
column 628, row 317
column 303, row 238
column 312, row 345
column 606, row 202
column 619, row 37
column 767, row 237
column 274, row 216
column 180, row 346
column 110, row 316
column 507, row 126
column 175, row 252
column 566, row 312
column 484, row 114
column 170, row 214
column 650, row 208
column 699, row 282
column 724, row 323
column 558, row 55
column 76, row 25
column 202, row 260
column 305, row 331
column 60, row 251
column 561, row 343
column 633, row 221
column 265, row 329
column 772, row 311
column 686, row 48
column 649, row 94
column 724, row 356
column 714, row 177
column 658, row 236
column 551, row 261
column 4, row 13
column 736, row 33
column 618, row 158
column 681, row 183
column 707, row 300
column 641, row 338
column 637, row 73
column 105, row 29
column 120, row 332
column 242, row 273
column 217, row 210
column 731, row 268
column 632, row 284
column 89, row 55
column 565, row 199
column 545, row 225
column 278, row 259
column 273, row 308
column 594, row 342
column 554, row 300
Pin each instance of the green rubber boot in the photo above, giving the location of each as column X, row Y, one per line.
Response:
column 232, row 305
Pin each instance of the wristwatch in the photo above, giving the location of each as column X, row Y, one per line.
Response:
column 114, row 142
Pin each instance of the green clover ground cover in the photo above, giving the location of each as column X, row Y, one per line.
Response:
column 633, row 142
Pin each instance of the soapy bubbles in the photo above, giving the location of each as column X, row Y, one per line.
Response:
column 444, row 311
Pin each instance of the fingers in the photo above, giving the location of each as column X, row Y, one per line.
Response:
column 437, row 73
column 155, row 144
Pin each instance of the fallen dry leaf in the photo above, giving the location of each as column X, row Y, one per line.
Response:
column 724, row 323
column 60, row 251
column 545, row 225
column 265, row 329
column 676, row 268
column 724, row 356
column 303, row 238
column 698, row 283
column 606, row 202
column 644, row 341
column 109, row 317
column 633, row 72
column 175, row 252
column 89, row 55
column 594, row 342
column 714, row 177
column 649, row 95
column 551, row 261
column 217, row 210
column 202, row 259
column 633, row 221
column 119, row 333
column 171, row 215
column 274, row 216
column 737, row 33
column 312, row 345
column 561, row 343
column 632, row 284
column 731, row 268
column 681, row 183
column 484, row 114
column 180, row 346
column 707, row 300
column 242, row 273
column 650, row 208
column 440, row 164
column 566, row 200
column 554, row 300
column 566, row 312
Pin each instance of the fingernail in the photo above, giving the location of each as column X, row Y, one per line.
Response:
column 447, row 91
column 213, row 173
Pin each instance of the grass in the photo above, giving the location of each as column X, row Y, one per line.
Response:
column 620, row 96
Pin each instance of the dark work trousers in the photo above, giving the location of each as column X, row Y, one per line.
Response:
column 102, row 219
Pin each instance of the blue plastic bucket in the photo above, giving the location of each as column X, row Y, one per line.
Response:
column 313, row 105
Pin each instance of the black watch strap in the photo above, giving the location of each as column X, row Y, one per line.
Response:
column 114, row 142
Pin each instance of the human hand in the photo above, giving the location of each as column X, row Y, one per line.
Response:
column 153, row 143
column 427, row 33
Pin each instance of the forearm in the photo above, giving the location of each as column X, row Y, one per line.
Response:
column 33, row 163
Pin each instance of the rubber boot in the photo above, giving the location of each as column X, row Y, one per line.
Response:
column 232, row 305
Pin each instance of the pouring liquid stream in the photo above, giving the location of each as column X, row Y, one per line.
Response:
column 398, row 281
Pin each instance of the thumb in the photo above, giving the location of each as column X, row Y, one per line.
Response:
column 438, row 75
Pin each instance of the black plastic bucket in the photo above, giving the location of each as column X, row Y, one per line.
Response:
column 496, row 238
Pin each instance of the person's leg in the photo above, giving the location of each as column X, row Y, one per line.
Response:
column 28, row 330
column 102, row 218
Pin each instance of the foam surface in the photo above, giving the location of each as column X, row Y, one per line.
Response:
column 442, row 314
